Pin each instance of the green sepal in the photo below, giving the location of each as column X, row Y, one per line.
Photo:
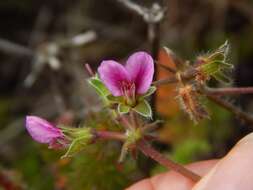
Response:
column 76, row 132
column 217, row 70
column 99, row 86
column 221, row 53
column 76, row 146
column 123, row 109
column 143, row 108
column 79, row 137
column 115, row 99
column 150, row 91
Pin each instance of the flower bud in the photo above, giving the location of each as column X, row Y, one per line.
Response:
column 44, row 132
column 214, row 65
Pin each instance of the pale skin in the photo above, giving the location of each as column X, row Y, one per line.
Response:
column 232, row 172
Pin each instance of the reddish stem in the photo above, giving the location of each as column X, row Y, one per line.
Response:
column 110, row 135
column 230, row 91
column 233, row 109
column 155, row 155
column 150, row 152
column 124, row 121
column 187, row 75
column 89, row 70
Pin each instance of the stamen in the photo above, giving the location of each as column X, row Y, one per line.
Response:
column 128, row 91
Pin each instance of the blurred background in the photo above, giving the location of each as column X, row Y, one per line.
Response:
column 43, row 48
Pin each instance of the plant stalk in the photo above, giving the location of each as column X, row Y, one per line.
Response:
column 110, row 135
column 155, row 155
column 230, row 107
column 229, row 91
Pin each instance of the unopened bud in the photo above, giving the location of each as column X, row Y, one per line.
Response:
column 214, row 65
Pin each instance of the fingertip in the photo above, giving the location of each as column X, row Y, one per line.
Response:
column 234, row 171
column 142, row 185
column 173, row 180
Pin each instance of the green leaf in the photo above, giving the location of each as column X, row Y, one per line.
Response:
column 101, row 89
column 150, row 91
column 123, row 109
column 144, row 109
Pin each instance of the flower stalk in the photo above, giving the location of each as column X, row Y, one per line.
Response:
column 155, row 155
column 146, row 149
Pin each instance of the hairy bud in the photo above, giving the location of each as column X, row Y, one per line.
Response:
column 214, row 65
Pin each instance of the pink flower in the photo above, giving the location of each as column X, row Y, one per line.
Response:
column 44, row 132
column 130, row 80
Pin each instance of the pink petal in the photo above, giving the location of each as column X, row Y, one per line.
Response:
column 140, row 67
column 41, row 130
column 112, row 74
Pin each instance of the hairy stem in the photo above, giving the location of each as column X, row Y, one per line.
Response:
column 187, row 75
column 229, row 91
column 230, row 107
column 155, row 155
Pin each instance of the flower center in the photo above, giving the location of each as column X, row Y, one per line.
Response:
column 128, row 91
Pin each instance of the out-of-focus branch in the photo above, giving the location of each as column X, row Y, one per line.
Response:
column 150, row 15
column 79, row 39
column 14, row 49
column 42, row 21
column 47, row 54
